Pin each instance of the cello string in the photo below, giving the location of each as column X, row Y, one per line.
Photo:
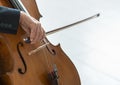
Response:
column 49, row 61
column 18, row 4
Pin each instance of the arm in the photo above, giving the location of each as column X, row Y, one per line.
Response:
column 11, row 18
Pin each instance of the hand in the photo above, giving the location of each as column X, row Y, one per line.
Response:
column 32, row 27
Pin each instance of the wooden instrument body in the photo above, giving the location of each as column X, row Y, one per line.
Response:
column 39, row 64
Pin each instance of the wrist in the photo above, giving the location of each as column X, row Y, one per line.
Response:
column 21, row 17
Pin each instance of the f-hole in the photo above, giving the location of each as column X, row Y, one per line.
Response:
column 52, row 51
column 20, row 54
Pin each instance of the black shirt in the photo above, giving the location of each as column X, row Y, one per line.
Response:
column 9, row 20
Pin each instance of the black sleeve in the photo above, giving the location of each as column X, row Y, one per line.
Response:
column 9, row 20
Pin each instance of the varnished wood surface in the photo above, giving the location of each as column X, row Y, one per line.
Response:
column 38, row 65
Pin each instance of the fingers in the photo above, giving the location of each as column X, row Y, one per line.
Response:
column 37, row 33
column 32, row 27
column 26, row 29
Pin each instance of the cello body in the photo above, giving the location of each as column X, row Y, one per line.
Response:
column 48, row 66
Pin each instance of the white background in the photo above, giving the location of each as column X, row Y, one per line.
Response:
column 93, row 46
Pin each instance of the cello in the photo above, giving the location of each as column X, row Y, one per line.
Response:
column 20, row 65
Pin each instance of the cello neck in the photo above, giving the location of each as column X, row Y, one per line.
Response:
column 28, row 6
column 18, row 4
